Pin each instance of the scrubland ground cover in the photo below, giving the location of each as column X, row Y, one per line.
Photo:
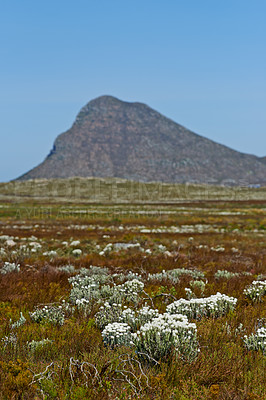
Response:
column 133, row 301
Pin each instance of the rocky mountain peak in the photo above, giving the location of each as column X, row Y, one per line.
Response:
column 113, row 138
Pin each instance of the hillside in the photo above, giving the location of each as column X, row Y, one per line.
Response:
column 112, row 138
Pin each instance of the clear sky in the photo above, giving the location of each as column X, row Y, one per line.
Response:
column 202, row 63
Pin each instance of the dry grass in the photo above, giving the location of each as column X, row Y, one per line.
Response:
column 115, row 190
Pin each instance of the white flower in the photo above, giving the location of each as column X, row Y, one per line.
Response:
column 77, row 252
column 75, row 243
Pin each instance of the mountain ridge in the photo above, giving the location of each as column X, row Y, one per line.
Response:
column 130, row 140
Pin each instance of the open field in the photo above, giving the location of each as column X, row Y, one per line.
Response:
column 115, row 190
column 75, row 265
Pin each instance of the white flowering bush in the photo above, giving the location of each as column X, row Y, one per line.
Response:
column 131, row 290
column 218, row 249
column 256, row 291
column 108, row 314
column 117, row 334
column 213, row 306
column 35, row 345
column 224, row 274
column 5, row 237
column 77, row 252
column 160, row 276
column 84, row 305
column 119, row 277
column 49, row 314
column 127, row 292
column 256, row 341
column 167, row 334
column 174, row 275
column 10, row 340
column 95, row 270
column 107, row 249
column 128, row 316
column 84, row 290
column 109, row 293
column 9, row 267
column 21, row 321
column 10, row 243
column 137, row 318
column 67, row 269
column 99, row 274
column 74, row 243
column 146, row 314
column 50, row 253
column 164, row 335
column 2, row 252
column 88, row 288
column 133, row 275
column 35, row 246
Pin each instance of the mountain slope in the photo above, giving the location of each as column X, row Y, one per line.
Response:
column 112, row 138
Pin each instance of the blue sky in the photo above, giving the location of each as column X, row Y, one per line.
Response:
column 201, row 63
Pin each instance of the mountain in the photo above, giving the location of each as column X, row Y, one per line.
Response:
column 263, row 159
column 113, row 138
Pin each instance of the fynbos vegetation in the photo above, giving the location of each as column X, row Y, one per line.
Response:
column 128, row 301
